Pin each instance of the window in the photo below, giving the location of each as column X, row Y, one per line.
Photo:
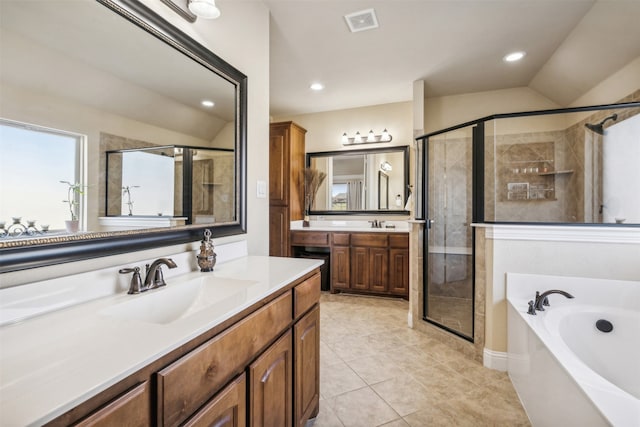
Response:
column 38, row 159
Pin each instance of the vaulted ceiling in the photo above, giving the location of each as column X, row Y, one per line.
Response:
column 455, row 46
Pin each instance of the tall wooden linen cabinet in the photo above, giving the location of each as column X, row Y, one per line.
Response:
column 286, row 186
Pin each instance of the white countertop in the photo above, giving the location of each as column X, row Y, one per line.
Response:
column 351, row 226
column 51, row 363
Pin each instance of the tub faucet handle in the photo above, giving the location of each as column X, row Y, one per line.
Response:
column 532, row 308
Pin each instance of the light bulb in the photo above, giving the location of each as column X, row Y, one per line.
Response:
column 204, row 8
column 358, row 138
column 371, row 137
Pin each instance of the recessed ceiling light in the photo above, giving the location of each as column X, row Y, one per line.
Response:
column 316, row 86
column 514, row 56
column 207, row 103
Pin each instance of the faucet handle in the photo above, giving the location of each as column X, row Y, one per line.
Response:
column 135, row 287
column 532, row 308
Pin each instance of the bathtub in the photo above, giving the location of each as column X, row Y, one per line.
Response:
column 566, row 371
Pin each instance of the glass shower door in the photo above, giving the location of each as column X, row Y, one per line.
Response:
column 449, row 289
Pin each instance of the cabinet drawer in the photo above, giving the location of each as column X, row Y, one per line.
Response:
column 309, row 238
column 189, row 382
column 131, row 409
column 399, row 241
column 227, row 409
column 378, row 240
column 305, row 295
column 340, row 239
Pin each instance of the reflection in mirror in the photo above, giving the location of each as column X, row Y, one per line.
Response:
column 116, row 76
column 151, row 182
column 79, row 81
column 37, row 160
column 360, row 181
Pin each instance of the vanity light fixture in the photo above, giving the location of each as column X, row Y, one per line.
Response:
column 371, row 138
column 205, row 9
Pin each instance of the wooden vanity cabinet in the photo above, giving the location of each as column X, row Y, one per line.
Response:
column 227, row 409
column 340, row 261
column 306, row 349
column 271, row 384
column 190, row 381
column 260, row 369
column 363, row 262
column 286, row 186
column 130, row 409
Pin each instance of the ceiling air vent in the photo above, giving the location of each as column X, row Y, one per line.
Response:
column 361, row 21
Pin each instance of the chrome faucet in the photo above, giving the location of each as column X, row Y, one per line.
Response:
column 542, row 300
column 154, row 277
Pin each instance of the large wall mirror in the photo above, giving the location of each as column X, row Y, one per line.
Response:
column 81, row 79
column 367, row 181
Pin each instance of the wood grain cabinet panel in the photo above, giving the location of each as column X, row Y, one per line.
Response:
column 378, row 269
column 306, row 351
column 309, row 238
column 305, row 295
column 286, row 187
column 340, row 267
column 131, row 409
column 279, row 224
column 271, row 384
column 359, row 268
column 227, row 409
column 188, row 383
column 399, row 271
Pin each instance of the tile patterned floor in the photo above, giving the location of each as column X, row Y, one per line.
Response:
column 374, row 371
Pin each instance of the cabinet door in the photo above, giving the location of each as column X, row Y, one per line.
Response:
column 130, row 409
column 340, row 267
column 378, row 269
column 360, row 268
column 270, row 393
column 279, row 231
column 279, row 167
column 399, row 272
column 227, row 409
column 306, row 352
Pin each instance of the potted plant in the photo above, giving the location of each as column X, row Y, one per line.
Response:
column 313, row 178
column 73, row 189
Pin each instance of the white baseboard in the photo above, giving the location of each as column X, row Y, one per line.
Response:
column 496, row 360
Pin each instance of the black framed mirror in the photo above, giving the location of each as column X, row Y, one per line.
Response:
column 362, row 181
column 183, row 68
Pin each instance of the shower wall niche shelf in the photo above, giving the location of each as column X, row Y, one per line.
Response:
column 526, row 172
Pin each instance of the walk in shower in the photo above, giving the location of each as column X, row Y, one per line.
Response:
column 561, row 167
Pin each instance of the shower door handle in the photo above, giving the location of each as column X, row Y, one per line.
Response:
column 430, row 222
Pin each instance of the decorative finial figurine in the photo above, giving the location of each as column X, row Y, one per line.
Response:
column 206, row 257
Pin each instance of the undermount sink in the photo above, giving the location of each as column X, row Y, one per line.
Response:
column 179, row 300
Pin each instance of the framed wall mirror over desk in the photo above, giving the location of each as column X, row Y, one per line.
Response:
column 362, row 182
column 72, row 92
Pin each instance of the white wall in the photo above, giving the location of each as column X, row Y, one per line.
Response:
column 594, row 252
column 324, row 130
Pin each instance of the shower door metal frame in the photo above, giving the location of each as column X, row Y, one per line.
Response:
column 478, row 199
column 477, row 215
